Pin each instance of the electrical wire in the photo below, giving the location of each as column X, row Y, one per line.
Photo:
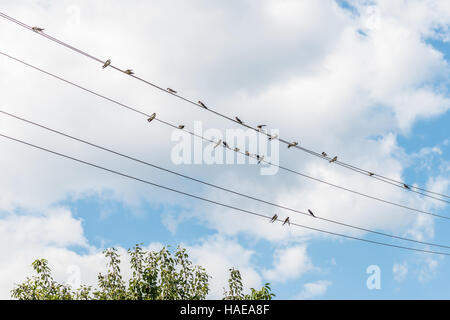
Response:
column 214, row 185
column 379, row 177
column 216, row 202
column 212, row 141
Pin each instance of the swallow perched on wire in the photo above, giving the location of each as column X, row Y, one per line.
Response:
column 324, row 154
column 333, row 160
column 129, row 72
column 406, row 186
column 275, row 136
column 37, row 29
column 236, row 149
column 292, row 144
column 107, row 63
column 225, row 144
column 218, row 143
column 171, row 91
column 274, row 218
column 202, row 104
column 370, row 173
column 153, row 116
column 247, row 153
column 238, row 120
column 181, row 126
column 311, row 213
column 286, row 221
column 259, row 158
column 260, row 127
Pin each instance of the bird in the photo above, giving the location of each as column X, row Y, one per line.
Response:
column 333, row 160
column 370, row 173
column 247, row 153
column 171, row 90
column 292, row 144
column 273, row 137
column 260, row 127
column 153, row 116
column 107, row 63
column 238, row 120
column 311, row 213
column 236, row 149
column 37, row 29
column 129, row 71
column 286, row 221
column 406, row 186
column 181, row 126
column 218, row 143
column 225, row 144
column 324, row 154
column 202, row 104
column 259, row 158
column 274, row 218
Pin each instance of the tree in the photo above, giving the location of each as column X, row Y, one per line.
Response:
column 160, row 275
column 236, row 289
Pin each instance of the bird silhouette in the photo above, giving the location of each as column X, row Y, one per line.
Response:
column 129, row 71
column 153, row 116
column 333, row 160
column 311, row 213
column 238, row 120
column 202, row 104
column 324, row 154
column 260, row 127
column 286, row 221
column 406, row 186
column 171, row 90
column 218, row 143
column 259, row 158
column 107, row 63
column 370, row 173
column 247, row 153
column 181, row 126
column 236, row 149
column 292, row 144
column 225, row 144
column 37, row 29
column 274, row 218
column 273, row 137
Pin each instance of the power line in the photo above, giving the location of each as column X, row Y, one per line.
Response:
column 213, row 185
column 213, row 201
column 211, row 141
column 379, row 177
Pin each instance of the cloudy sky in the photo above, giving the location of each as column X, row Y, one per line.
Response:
column 364, row 80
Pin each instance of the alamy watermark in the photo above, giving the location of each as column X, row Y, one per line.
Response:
column 374, row 280
column 236, row 146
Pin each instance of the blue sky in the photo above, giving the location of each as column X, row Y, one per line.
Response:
column 365, row 81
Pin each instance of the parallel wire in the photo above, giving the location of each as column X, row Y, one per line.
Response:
column 212, row 141
column 368, row 173
column 214, row 185
column 216, row 202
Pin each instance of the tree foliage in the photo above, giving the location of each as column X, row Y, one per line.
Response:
column 156, row 275
column 236, row 289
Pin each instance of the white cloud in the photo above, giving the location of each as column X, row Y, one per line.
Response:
column 428, row 269
column 26, row 238
column 218, row 254
column 289, row 264
column 400, row 271
column 314, row 289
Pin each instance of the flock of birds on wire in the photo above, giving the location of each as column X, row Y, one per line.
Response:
column 259, row 128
